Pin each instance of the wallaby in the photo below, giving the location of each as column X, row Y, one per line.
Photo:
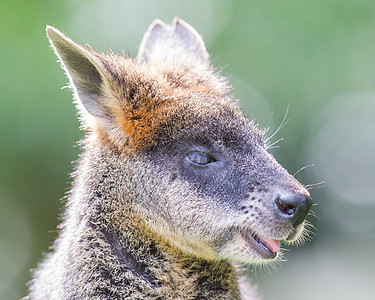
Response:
column 174, row 189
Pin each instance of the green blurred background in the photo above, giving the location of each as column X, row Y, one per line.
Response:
column 317, row 57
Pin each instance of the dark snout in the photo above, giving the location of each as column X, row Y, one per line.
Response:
column 292, row 206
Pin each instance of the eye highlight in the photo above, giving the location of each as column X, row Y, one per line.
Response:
column 199, row 158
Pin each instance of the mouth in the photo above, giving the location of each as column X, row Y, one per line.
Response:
column 266, row 247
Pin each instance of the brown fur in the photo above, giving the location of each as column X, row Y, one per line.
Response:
column 144, row 219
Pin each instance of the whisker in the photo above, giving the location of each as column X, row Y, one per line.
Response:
column 315, row 185
column 313, row 214
column 283, row 123
column 310, row 228
column 264, row 132
column 299, row 170
column 274, row 143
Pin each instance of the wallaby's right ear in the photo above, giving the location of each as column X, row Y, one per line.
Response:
column 85, row 70
column 165, row 43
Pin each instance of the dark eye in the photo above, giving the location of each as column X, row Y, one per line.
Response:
column 200, row 158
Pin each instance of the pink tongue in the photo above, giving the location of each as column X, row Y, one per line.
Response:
column 274, row 245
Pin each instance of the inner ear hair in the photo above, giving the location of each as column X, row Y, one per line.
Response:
column 86, row 73
column 163, row 42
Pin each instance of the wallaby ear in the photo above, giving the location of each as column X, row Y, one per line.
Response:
column 86, row 72
column 162, row 43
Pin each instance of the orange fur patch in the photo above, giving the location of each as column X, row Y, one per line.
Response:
column 141, row 97
column 141, row 124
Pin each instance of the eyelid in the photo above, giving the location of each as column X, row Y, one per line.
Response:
column 194, row 157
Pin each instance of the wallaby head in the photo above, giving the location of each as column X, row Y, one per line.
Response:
column 207, row 182
column 187, row 167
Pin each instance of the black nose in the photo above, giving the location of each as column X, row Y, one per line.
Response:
column 294, row 207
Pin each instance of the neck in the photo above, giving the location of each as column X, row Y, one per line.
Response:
column 133, row 258
column 159, row 267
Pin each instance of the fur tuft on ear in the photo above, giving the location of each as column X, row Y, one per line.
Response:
column 125, row 101
column 162, row 43
column 85, row 71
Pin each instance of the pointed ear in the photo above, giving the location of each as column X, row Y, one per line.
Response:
column 85, row 71
column 162, row 43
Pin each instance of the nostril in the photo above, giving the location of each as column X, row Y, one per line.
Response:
column 288, row 209
column 293, row 207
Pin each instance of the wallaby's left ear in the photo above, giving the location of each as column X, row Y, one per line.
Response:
column 163, row 43
column 85, row 70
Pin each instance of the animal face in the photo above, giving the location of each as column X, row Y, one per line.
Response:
column 222, row 194
column 198, row 172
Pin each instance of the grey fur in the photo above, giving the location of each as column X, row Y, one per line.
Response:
column 162, row 42
column 144, row 219
column 84, row 70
